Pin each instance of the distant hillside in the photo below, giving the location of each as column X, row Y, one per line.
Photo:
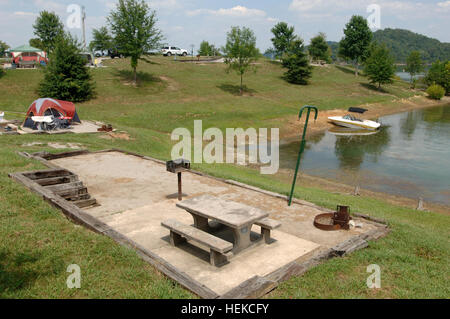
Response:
column 402, row 42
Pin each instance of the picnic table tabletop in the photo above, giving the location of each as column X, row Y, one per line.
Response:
column 229, row 213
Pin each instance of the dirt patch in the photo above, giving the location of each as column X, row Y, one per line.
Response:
column 119, row 135
column 172, row 85
column 72, row 146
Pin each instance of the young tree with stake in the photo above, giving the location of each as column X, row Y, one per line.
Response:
column 133, row 25
column 240, row 51
column 414, row 65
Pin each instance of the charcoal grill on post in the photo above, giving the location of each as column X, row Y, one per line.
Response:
column 177, row 167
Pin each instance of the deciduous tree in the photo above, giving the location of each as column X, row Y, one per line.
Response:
column 379, row 66
column 319, row 49
column 240, row 51
column 102, row 40
column 414, row 65
column 48, row 27
column 36, row 43
column 207, row 49
column 354, row 46
column 3, row 48
column 133, row 25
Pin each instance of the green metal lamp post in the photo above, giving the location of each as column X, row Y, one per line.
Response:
column 303, row 143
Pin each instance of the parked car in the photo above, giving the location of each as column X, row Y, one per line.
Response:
column 169, row 51
column 99, row 53
column 114, row 53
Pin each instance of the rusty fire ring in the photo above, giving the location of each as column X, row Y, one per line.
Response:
column 336, row 221
column 325, row 226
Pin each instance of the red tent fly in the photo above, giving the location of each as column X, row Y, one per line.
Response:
column 61, row 110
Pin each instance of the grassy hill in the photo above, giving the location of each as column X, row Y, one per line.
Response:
column 402, row 42
column 172, row 94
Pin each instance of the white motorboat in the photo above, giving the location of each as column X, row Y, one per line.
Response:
column 352, row 122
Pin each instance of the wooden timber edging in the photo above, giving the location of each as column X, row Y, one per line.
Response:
column 254, row 287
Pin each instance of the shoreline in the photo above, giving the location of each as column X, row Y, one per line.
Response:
column 375, row 110
column 336, row 187
column 293, row 127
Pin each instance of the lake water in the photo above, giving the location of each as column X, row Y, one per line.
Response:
column 407, row 77
column 409, row 156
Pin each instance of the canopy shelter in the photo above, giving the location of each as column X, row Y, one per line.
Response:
column 28, row 54
column 61, row 110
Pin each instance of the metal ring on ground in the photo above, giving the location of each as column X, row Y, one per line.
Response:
column 326, row 226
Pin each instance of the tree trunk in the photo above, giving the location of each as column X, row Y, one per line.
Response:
column 134, row 76
column 242, row 87
column 356, row 68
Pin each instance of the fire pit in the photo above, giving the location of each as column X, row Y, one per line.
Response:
column 334, row 221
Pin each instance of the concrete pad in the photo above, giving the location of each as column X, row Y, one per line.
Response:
column 136, row 195
column 122, row 182
column 255, row 261
column 143, row 225
column 83, row 127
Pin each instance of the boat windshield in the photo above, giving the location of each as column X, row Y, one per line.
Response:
column 351, row 118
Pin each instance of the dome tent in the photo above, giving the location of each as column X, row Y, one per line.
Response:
column 46, row 106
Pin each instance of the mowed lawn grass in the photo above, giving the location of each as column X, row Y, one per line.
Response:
column 37, row 243
column 173, row 94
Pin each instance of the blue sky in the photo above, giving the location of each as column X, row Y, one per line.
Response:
column 186, row 22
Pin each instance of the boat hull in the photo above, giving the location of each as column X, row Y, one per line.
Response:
column 366, row 124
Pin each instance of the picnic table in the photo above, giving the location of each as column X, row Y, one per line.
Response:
column 27, row 64
column 237, row 216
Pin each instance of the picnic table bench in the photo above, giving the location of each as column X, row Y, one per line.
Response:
column 220, row 250
column 238, row 217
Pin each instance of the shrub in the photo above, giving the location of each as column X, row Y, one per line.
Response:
column 439, row 73
column 436, row 91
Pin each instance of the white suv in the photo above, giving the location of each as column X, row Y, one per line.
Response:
column 169, row 51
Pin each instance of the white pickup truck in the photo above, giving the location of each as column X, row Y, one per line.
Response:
column 169, row 51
